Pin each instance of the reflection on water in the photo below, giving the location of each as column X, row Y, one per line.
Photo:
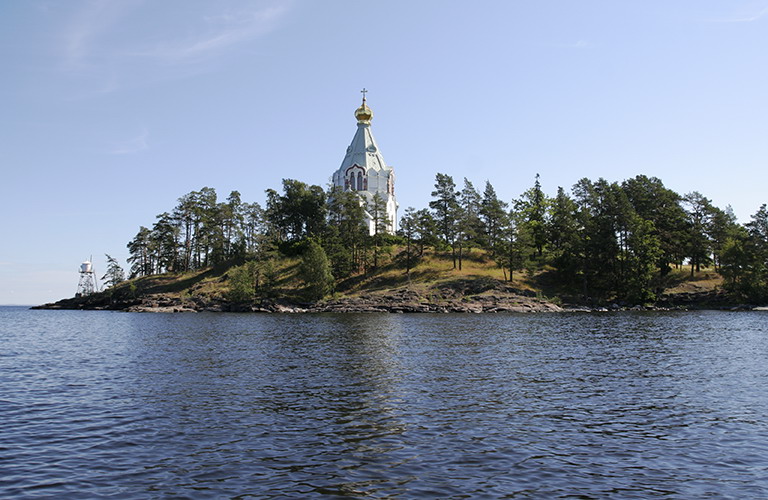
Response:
column 383, row 406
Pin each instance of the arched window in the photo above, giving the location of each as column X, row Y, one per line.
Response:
column 359, row 181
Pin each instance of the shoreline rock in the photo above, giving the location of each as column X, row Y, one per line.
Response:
column 461, row 296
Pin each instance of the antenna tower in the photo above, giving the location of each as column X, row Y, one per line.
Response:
column 87, row 283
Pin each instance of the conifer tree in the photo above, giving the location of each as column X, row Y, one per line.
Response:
column 563, row 236
column 244, row 282
column 494, row 220
column 408, row 228
column 315, row 271
column 468, row 218
column 114, row 274
column 700, row 212
column 377, row 208
column 446, row 207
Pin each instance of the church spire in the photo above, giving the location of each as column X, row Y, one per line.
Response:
column 363, row 113
column 364, row 171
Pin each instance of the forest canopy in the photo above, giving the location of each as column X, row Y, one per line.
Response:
column 603, row 240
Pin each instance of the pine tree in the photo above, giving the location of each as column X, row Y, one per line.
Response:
column 745, row 259
column 141, row 256
column 244, row 282
column 563, row 236
column 532, row 206
column 494, row 221
column 377, row 208
column 468, row 218
column 446, row 208
column 114, row 274
column 408, row 227
column 315, row 271
column 344, row 240
column 700, row 212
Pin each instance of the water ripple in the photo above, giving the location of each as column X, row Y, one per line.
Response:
column 631, row 405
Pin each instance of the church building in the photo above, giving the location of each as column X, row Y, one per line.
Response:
column 363, row 170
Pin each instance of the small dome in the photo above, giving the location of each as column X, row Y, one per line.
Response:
column 363, row 113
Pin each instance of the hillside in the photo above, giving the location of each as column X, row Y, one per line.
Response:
column 432, row 285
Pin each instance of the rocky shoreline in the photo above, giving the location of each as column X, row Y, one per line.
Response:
column 397, row 301
column 458, row 297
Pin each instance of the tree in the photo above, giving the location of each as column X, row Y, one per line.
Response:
column 643, row 251
column 408, row 228
column 446, row 208
column 700, row 212
column 533, row 207
column 745, row 259
column 141, row 256
column 494, row 221
column 347, row 231
column 661, row 206
column 114, row 274
column 426, row 230
column 315, row 271
column 211, row 242
column 377, row 208
column 468, row 224
column 722, row 227
column 233, row 214
column 298, row 213
column 599, row 245
column 166, row 245
column 253, row 227
column 563, row 236
column 244, row 282
column 516, row 245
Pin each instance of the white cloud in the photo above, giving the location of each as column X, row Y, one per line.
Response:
column 743, row 17
column 218, row 34
column 133, row 145
column 108, row 34
column 83, row 33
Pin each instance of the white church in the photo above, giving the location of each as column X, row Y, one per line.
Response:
column 363, row 170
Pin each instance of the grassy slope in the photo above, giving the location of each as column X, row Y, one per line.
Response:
column 433, row 270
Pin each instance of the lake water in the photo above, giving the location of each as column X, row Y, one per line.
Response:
column 619, row 405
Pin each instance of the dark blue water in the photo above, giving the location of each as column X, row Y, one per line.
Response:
column 625, row 405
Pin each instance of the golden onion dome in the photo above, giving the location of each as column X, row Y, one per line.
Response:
column 363, row 113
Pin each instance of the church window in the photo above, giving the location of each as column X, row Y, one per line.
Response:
column 359, row 181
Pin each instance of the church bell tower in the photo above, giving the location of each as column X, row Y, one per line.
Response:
column 363, row 170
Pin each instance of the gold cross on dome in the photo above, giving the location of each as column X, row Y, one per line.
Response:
column 364, row 91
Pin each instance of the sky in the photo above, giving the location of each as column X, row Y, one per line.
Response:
column 112, row 110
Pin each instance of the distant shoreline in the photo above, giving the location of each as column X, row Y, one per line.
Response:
column 500, row 299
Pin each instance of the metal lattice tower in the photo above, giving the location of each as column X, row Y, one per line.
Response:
column 87, row 283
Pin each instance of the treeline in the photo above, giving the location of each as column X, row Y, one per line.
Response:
column 198, row 232
column 604, row 241
column 201, row 232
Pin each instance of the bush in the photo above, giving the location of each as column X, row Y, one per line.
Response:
column 243, row 282
column 315, row 271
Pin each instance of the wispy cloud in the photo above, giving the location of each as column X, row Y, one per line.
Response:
column 219, row 33
column 112, row 43
column 83, row 33
column 133, row 145
column 742, row 17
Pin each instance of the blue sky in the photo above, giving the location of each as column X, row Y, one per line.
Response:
column 111, row 110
